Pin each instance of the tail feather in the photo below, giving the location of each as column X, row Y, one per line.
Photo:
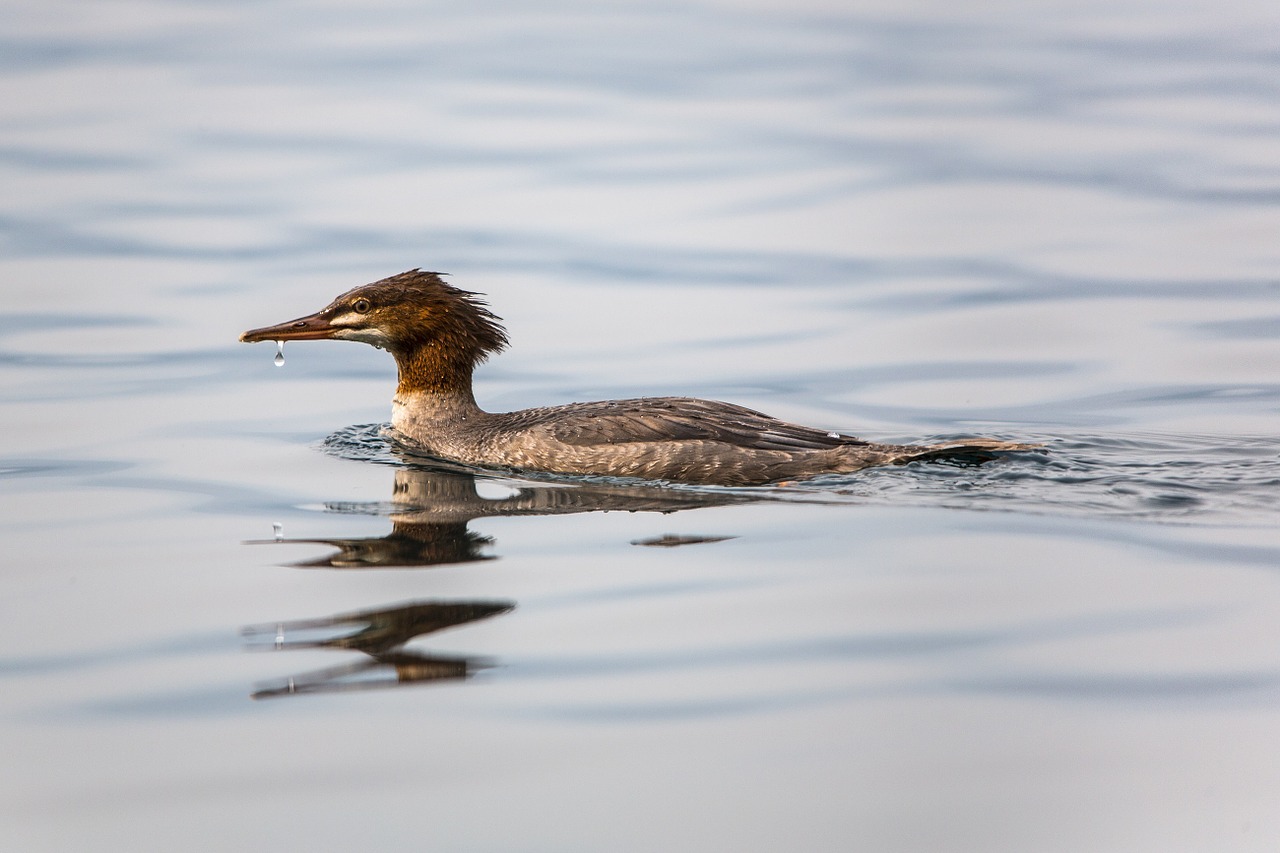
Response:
column 973, row 451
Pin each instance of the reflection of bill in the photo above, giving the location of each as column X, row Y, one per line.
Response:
column 383, row 635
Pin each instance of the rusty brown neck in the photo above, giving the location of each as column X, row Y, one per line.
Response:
column 438, row 371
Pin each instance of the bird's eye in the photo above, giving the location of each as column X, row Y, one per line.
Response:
column 361, row 306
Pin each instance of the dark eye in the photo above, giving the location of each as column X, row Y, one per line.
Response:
column 361, row 306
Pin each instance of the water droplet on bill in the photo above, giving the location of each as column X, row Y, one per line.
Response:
column 279, row 354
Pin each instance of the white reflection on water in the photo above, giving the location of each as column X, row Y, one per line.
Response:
column 897, row 220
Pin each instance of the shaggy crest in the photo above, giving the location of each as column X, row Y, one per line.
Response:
column 420, row 309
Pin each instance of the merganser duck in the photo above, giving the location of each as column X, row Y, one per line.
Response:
column 438, row 334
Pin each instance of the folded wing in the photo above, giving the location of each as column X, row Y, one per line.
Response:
column 658, row 419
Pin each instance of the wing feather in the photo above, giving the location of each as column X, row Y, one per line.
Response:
column 660, row 419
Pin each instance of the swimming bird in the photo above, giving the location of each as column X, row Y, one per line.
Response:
column 438, row 334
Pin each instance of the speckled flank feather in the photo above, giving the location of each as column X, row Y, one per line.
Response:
column 438, row 334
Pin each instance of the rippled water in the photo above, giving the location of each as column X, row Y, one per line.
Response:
column 905, row 222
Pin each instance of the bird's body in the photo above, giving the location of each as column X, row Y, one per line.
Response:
column 438, row 334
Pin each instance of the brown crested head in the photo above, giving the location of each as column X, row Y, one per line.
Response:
column 403, row 314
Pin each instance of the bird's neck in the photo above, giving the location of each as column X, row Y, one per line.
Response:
column 435, row 381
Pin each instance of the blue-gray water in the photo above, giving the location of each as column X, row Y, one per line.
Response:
column 1053, row 223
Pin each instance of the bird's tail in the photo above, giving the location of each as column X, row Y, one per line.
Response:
column 970, row 451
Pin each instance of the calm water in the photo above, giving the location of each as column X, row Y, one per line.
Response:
column 234, row 617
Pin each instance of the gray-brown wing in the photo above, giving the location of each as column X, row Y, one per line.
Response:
column 683, row 419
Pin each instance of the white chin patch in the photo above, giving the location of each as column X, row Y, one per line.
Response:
column 373, row 337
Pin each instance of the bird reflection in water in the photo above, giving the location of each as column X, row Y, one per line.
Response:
column 430, row 510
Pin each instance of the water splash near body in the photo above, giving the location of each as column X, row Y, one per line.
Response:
column 279, row 359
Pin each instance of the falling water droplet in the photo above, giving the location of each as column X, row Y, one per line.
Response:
column 278, row 529
column 280, row 635
column 279, row 354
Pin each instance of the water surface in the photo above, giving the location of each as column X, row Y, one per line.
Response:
column 235, row 616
